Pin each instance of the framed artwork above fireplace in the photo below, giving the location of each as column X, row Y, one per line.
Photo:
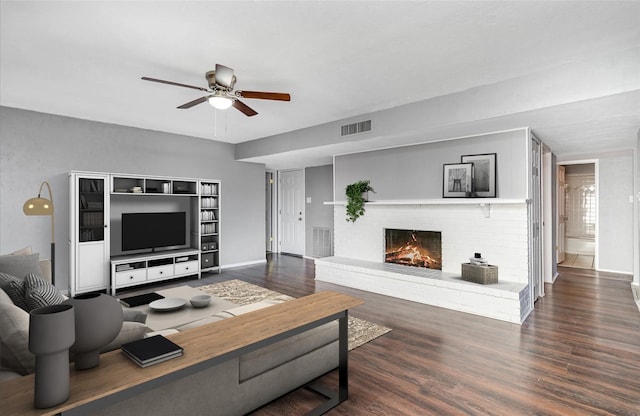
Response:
column 484, row 174
column 457, row 180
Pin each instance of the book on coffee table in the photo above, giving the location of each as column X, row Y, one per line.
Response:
column 138, row 300
column 152, row 350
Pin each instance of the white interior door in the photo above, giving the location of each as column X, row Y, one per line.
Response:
column 562, row 215
column 537, row 279
column 291, row 186
column 269, row 209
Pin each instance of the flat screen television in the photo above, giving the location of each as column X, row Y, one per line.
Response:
column 151, row 230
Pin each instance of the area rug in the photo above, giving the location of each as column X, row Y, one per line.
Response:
column 243, row 293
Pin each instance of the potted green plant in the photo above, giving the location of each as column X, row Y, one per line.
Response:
column 356, row 197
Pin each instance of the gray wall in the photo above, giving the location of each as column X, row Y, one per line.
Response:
column 636, row 220
column 636, row 217
column 554, row 215
column 615, row 213
column 415, row 172
column 35, row 147
column 319, row 187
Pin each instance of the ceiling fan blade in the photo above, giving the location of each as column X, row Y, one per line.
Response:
column 280, row 96
column 248, row 111
column 224, row 76
column 194, row 102
column 177, row 84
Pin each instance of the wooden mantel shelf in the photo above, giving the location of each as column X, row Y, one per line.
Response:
column 440, row 201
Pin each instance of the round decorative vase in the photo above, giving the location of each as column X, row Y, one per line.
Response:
column 98, row 322
column 51, row 334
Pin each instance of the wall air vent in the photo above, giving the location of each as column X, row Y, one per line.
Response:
column 355, row 128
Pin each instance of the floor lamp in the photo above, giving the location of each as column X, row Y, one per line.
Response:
column 43, row 206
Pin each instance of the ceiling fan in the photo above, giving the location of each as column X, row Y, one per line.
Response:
column 220, row 92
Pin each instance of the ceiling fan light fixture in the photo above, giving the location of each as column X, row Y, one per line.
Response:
column 219, row 102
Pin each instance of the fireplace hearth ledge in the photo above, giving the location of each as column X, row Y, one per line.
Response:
column 505, row 300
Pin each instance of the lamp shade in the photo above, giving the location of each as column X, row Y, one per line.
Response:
column 38, row 206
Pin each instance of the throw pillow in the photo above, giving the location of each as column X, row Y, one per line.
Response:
column 4, row 298
column 130, row 331
column 132, row 315
column 20, row 266
column 39, row 293
column 14, row 351
column 22, row 252
column 13, row 287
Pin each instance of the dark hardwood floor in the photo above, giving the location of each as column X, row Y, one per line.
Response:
column 578, row 353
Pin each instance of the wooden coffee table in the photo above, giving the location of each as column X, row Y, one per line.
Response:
column 165, row 320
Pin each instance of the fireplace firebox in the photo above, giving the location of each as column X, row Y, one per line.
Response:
column 414, row 248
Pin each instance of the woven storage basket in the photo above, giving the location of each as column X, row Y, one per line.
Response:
column 484, row 275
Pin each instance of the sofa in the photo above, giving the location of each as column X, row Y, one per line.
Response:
column 15, row 358
column 234, row 387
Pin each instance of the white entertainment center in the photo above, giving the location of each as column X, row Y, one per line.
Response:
column 144, row 268
column 99, row 201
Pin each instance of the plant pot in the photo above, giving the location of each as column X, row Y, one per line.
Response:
column 51, row 333
column 98, row 319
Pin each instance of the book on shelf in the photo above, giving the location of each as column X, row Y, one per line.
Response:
column 152, row 350
column 138, row 300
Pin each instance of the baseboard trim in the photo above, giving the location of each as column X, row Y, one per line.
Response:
column 246, row 263
column 613, row 271
column 635, row 290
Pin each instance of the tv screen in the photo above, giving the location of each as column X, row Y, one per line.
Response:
column 150, row 230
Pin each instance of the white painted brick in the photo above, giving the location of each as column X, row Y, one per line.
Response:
column 502, row 301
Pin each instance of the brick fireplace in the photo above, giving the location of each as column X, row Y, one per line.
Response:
column 500, row 234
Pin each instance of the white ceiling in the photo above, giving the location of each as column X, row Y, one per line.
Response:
column 337, row 59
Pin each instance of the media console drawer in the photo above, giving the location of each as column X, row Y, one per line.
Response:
column 131, row 276
column 187, row 267
column 160, row 272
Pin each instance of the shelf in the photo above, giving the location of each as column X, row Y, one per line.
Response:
column 441, row 201
column 209, row 225
column 144, row 185
column 130, row 258
column 483, row 203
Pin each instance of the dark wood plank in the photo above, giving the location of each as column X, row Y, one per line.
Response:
column 578, row 353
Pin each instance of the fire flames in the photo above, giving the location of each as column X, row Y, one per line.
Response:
column 412, row 254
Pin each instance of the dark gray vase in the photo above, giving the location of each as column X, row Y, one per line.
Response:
column 98, row 322
column 51, row 333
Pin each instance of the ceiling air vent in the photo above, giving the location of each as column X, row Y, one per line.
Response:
column 355, row 128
